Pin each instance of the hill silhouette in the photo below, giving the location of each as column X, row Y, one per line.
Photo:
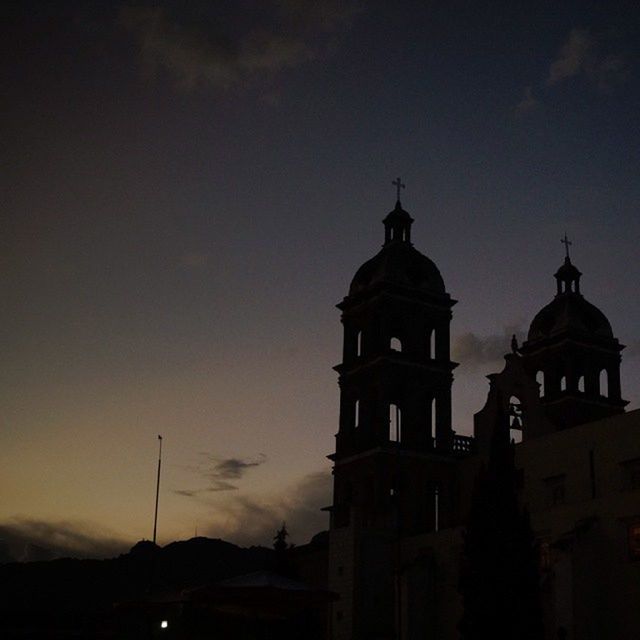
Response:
column 68, row 597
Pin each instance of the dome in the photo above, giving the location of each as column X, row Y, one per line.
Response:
column 569, row 312
column 400, row 264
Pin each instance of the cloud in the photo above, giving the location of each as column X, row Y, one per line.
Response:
column 234, row 468
column 202, row 47
column 582, row 54
column 472, row 350
column 24, row 540
column 528, row 103
column 217, row 471
column 572, row 57
column 246, row 520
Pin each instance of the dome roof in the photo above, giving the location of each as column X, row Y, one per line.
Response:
column 569, row 312
column 399, row 263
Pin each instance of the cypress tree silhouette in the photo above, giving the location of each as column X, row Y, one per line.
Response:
column 499, row 580
column 283, row 560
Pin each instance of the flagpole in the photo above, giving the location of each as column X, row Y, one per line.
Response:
column 155, row 517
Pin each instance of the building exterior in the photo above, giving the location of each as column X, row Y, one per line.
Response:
column 403, row 478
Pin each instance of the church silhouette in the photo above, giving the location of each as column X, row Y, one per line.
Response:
column 404, row 480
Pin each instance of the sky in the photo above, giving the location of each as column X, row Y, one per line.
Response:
column 188, row 188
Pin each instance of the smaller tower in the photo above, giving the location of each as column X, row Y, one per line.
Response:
column 573, row 355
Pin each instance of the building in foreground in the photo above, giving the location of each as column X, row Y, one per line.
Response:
column 403, row 478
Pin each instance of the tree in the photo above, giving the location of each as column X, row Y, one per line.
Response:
column 499, row 580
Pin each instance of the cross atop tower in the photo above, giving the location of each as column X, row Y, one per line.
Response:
column 398, row 184
column 567, row 243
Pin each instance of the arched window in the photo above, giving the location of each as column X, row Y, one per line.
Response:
column 356, row 414
column 581, row 384
column 604, row 383
column 359, row 344
column 395, row 344
column 563, row 383
column 540, row 381
column 395, row 423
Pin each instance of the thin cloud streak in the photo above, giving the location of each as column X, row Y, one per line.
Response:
column 218, row 471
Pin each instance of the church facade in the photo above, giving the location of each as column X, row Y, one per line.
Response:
column 403, row 479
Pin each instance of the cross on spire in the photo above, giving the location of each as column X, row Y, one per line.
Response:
column 398, row 185
column 567, row 243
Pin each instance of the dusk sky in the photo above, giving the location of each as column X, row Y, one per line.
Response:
column 188, row 188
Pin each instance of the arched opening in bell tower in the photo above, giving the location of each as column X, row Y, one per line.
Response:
column 515, row 420
column 431, row 420
column 395, row 423
column 603, row 383
column 540, row 381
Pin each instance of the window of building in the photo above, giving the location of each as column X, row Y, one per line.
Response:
column 432, row 344
column 359, row 344
column 634, row 540
column 395, row 423
column 356, row 414
column 436, row 508
column 555, row 488
column 563, row 383
column 581, row 384
column 631, row 474
column 395, row 344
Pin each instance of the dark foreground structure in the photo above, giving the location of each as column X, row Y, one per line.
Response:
column 404, row 480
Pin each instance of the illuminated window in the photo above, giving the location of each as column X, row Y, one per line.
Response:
column 395, row 344
column 164, row 624
column 634, row 540
column 563, row 383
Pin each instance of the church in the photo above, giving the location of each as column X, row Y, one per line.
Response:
column 403, row 478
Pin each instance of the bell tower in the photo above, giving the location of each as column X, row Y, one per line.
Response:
column 573, row 355
column 395, row 447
